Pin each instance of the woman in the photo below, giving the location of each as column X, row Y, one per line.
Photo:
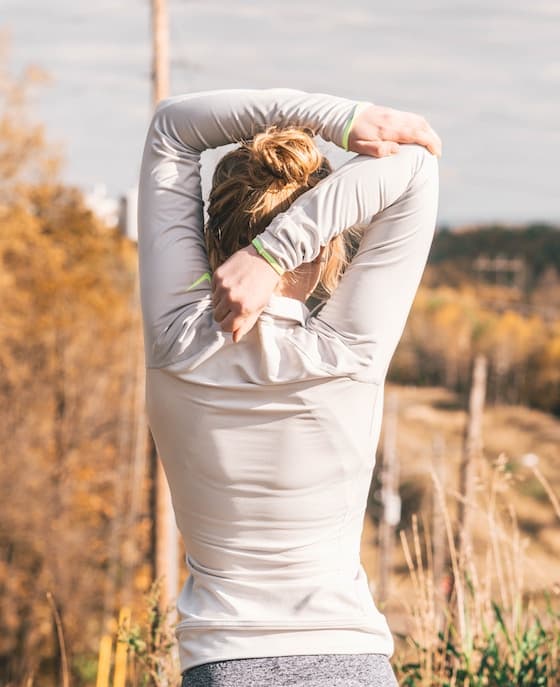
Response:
column 266, row 416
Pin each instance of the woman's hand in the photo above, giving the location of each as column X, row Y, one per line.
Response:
column 241, row 288
column 377, row 131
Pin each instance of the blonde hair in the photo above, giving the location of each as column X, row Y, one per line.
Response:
column 254, row 183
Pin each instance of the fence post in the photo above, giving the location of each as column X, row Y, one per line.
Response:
column 472, row 450
column 121, row 652
column 104, row 661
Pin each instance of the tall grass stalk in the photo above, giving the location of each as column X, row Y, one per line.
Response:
column 152, row 645
column 485, row 632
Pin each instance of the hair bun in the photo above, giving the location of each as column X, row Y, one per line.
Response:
column 289, row 155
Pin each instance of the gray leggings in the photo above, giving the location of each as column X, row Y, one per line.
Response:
column 322, row 670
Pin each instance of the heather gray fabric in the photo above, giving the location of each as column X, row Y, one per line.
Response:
column 269, row 444
column 353, row 670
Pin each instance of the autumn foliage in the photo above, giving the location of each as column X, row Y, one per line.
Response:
column 517, row 329
column 68, row 333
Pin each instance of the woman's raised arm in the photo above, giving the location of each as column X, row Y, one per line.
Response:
column 172, row 254
column 243, row 284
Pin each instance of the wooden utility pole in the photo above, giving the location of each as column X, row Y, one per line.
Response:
column 160, row 51
column 137, row 470
column 389, row 497
column 472, row 451
column 165, row 539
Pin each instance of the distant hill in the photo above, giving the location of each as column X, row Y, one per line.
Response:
column 461, row 254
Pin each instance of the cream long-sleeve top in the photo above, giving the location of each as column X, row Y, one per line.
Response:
column 269, row 444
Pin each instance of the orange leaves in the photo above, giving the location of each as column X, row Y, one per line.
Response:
column 69, row 313
column 448, row 327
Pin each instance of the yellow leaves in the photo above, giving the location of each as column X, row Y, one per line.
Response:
column 143, row 578
column 548, row 371
column 513, row 338
column 551, row 351
column 67, row 391
column 448, row 327
column 26, row 159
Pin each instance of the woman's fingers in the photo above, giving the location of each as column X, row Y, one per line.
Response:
column 241, row 287
column 231, row 318
column 437, row 144
column 376, row 148
column 382, row 148
column 424, row 136
column 377, row 125
column 245, row 327
column 230, row 322
column 221, row 310
column 239, row 325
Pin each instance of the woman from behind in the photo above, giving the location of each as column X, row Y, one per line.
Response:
column 268, row 441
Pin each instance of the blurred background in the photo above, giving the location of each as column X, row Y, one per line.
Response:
column 463, row 517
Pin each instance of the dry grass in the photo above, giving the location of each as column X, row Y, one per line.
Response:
column 482, row 612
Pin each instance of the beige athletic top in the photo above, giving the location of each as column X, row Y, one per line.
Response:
column 269, row 444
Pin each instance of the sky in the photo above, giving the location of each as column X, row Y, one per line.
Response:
column 485, row 73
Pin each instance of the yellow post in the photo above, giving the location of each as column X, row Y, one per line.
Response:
column 121, row 651
column 104, row 661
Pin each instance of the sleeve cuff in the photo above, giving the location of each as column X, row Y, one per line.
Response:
column 356, row 111
column 261, row 250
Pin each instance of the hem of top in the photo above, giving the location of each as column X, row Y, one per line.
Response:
column 338, row 652
column 320, row 638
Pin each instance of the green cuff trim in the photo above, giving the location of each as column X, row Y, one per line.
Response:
column 261, row 250
column 205, row 276
column 346, row 133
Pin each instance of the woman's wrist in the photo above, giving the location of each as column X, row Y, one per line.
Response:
column 360, row 107
column 261, row 250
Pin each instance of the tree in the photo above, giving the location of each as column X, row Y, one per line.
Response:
column 66, row 287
